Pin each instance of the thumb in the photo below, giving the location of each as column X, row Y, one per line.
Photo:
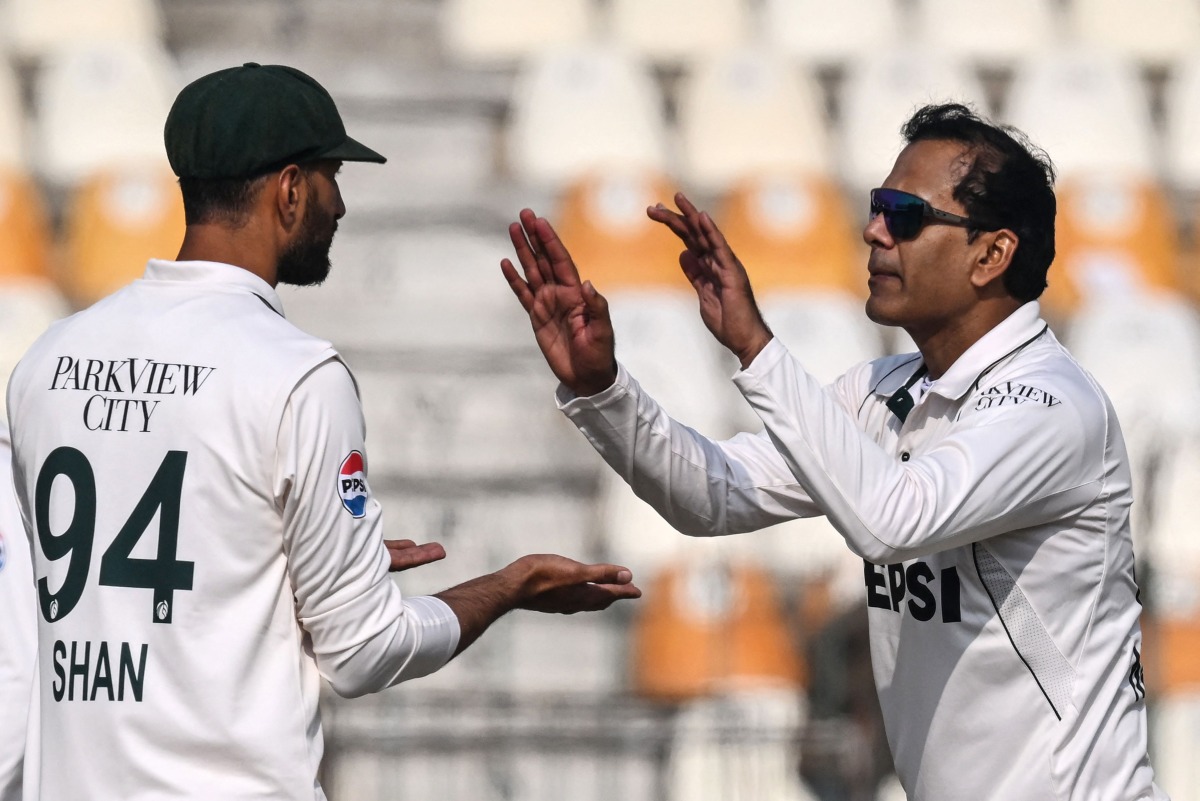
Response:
column 607, row 574
column 597, row 304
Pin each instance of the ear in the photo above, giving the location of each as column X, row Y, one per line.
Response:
column 998, row 250
column 291, row 195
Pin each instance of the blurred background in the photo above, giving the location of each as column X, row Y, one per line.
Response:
column 744, row 672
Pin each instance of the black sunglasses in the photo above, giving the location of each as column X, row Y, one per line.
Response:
column 905, row 214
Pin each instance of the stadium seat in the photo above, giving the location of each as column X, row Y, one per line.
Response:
column 1181, row 106
column 794, row 233
column 488, row 33
column 27, row 307
column 746, row 112
column 1088, row 109
column 707, row 625
column 430, row 286
column 1023, row 28
column 1152, row 32
column 115, row 221
column 1111, row 233
column 583, row 110
column 25, row 239
column 1143, row 347
column 35, row 28
column 695, row 27
column 880, row 92
column 738, row 746
column 1169, row 573
column 101, row 106
column 12, row 121
column 821, row 33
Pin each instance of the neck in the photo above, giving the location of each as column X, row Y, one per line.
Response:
column 243, row 246
column 941, row 347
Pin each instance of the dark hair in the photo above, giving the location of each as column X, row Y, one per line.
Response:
column 223, row 200
column 1009, row 184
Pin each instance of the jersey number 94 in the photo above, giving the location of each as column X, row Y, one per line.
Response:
column 163, row 574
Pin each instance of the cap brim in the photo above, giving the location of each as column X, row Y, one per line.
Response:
column 350, row 150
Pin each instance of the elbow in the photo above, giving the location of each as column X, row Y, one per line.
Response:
column 347, row 686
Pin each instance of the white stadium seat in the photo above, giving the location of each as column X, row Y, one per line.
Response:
column 35, row 28
column 1182, row 126
column 1152, row 32
column 678, row 31
column 487, row 32
column 584, row 110
column 102, row 106
column 824, row 33
column 881, row 91
column 12, row 121
column 1024, row 28
column 1087, row 109
column 746, row 113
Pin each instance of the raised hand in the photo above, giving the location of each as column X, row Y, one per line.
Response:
column 405, row 554
column 569, row 317
column 727, row 304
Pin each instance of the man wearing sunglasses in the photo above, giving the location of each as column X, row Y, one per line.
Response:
column 983, row 480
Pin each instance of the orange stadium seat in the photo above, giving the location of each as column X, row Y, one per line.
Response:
column 24, row 228
column 793, row 232
column 602, row 218
column 1112, row 234
column 711, row 626
column 116, row 221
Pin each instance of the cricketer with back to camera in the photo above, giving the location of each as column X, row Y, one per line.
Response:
column 983, row 479
column 192, row 472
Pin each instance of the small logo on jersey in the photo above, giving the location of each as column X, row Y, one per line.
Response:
column 352, row 484
column 53, row 609
column 3, row 552
column 161, row 610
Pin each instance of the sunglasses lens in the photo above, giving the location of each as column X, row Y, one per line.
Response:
column 903, row 214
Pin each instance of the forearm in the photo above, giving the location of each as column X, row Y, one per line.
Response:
column 479, row 603
column 700, row 486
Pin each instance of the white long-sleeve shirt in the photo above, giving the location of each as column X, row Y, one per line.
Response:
column 192, row 470
column 994, row 526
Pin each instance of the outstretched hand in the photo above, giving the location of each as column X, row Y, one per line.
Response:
column 405, row 554
column 558, row 585
column 569, row 318
column 726, row 301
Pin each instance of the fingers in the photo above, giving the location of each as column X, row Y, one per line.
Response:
column 520, row 288
column 526, row 254
column 677, row 225
column 605, row 574
column 562, row 267
column 405, row 554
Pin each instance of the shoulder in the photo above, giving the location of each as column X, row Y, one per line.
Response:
column 1044, row 376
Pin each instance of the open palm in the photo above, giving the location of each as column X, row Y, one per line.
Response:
column 569, row 317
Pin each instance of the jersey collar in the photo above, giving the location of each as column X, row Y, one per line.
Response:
column 213, row 272
column 1014, row 332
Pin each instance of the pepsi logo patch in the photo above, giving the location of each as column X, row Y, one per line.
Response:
column 352, row 485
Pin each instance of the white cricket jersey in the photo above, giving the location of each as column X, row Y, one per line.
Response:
column 192, row 470
column 994, row 527
column 18, row 631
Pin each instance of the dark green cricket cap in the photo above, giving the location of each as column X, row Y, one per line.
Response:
column 250, row 120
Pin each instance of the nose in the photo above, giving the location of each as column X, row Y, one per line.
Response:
column 876, row 234
column 340, row 210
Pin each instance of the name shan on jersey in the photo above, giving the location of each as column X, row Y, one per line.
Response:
column 112, row 381
column 94, row 671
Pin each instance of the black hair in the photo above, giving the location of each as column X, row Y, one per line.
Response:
column 218, row 200
column 1009, row 184
column 223, row 200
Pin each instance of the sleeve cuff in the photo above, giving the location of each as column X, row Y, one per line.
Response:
column 568, row 401
column 774, row 352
